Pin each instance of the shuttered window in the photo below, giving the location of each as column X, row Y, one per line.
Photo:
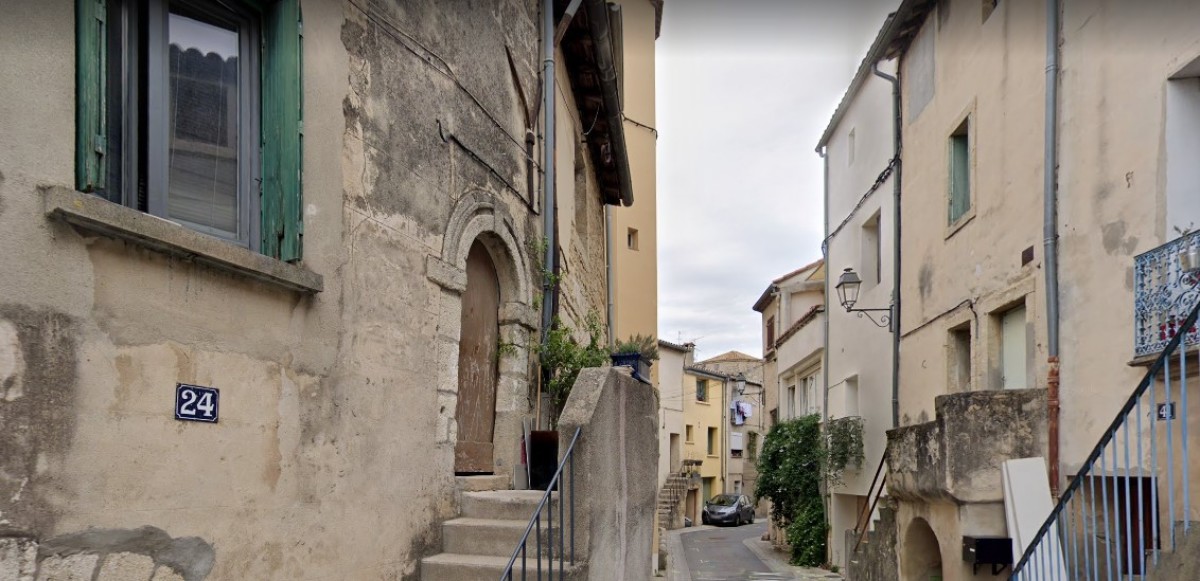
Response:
column 191, row 110
column 960, row 172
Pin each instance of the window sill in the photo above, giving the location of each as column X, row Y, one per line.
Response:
column 702, row 402
column 98, row 215
column 958, row 224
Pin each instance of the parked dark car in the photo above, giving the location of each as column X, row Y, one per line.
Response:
column 733, row 509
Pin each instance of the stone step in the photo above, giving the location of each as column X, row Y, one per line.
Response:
column 515, row 505
column 484, row 482
column 497, row 538
column 456, row 567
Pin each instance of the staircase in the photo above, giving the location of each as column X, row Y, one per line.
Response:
column 1128, row 512
column 476, row 546
column 670, row 497
column 871, row 554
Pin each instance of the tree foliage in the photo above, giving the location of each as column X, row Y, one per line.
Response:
column 790, row 469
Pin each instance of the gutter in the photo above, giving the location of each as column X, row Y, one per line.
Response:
column 597, row 15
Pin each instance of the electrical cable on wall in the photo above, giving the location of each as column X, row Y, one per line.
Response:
column 400, row 36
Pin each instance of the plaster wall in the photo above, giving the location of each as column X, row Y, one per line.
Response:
column 1124, row 185
column 635, row 271
column 333, row 457
column 955, row 275
column 859, row 354
column 670, row 397
column 702, row 416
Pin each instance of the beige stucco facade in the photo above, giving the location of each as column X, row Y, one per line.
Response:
column 671, row 393
column 973, row 312
column 634, row 228
column 334, row 454
column 704, row 438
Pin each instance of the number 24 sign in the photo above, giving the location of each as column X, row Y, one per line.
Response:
column 197, row 404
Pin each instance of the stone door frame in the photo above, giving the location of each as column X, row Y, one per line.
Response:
column 480, row 216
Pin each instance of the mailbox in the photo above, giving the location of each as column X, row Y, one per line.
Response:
column 994, row 551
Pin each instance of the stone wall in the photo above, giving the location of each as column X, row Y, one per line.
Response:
column 875, row 558
column 616, row 462
column 333, row 456
column 957, row 456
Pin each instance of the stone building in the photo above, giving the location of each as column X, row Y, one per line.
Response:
column 331, row 211
column 1024, row 221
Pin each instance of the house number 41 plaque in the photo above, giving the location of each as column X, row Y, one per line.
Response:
column 194, row 403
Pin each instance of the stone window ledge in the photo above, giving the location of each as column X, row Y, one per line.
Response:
column 100, row 216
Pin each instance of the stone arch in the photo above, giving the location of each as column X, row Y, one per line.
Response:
column 479, row 216
column 921, row 557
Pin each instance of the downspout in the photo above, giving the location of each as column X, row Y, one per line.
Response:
column 549, row 157
column 608, row 266
column 825, row 484
column 1050, row 230
column 897, row 174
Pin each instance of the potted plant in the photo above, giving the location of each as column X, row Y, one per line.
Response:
column 638, row 352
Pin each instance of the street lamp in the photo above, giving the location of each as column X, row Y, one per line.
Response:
column 847, row 289
column 739, row 383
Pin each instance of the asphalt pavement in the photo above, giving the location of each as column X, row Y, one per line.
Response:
column 719, row 554
column 708, row 553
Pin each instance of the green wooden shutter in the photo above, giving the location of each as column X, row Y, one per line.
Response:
column 90, row 60
column 282, row 131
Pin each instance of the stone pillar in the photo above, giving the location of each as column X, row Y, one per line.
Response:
column 616, row 469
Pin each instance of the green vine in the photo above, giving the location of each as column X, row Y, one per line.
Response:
column 845, row 446
column 562, row 357
column 789, row 473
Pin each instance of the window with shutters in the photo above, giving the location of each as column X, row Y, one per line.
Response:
column 190, row 110
column 960, row 172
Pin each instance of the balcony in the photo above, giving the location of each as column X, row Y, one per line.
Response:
column 957, row 456
column 1164, row 292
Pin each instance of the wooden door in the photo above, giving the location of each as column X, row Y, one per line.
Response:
column 477, row 358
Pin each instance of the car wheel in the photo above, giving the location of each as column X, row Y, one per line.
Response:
column 751, row 518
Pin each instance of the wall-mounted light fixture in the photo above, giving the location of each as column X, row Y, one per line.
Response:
column 847, row 289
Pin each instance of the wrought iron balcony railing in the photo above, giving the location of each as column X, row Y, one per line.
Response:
column 1165, row 290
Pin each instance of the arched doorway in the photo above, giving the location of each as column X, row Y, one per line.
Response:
column 477, row 365
column 922, row 556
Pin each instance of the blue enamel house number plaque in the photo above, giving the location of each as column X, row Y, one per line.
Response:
column 194, row 403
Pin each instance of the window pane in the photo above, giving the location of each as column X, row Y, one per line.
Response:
column 203, row 109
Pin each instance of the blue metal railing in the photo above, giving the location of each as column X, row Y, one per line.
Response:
column 546, row 506
column 1106, row 525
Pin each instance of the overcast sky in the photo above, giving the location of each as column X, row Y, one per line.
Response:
column 744, row 90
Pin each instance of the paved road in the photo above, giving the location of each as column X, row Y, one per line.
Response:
column 719, row 554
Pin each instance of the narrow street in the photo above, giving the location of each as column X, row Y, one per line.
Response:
column 719, row 554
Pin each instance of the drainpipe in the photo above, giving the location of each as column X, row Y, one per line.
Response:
column 825, row 484
column 896, row 175
column 548, row 147
column 1050, row 230
column 608, row 265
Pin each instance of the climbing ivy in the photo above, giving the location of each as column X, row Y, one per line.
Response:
column 845, row 446
column 790, row 469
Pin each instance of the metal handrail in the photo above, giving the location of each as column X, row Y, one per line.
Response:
column 1044, row 560
column 535, row 523
column 864, row 517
